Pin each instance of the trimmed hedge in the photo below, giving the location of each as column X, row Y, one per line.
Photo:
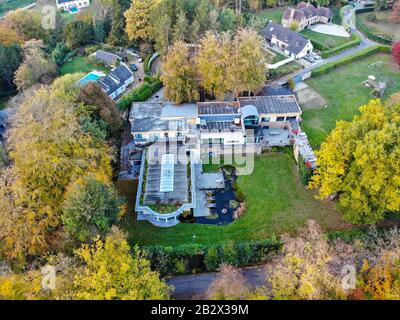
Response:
column 319, row 46
column 351, row 44
column 348, row 59
column 367, row 33
column 146, row 66
column 150, row 86
column 195, row 258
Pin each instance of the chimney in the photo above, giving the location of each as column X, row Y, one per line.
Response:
column 291, row 13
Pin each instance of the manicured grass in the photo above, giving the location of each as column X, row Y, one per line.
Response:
column 277, row 56
column 382, row 27
column 79, row 64
column 325, row 39
column 276, row 202
column 285, row 70
column 344, row 93
column 8, row 5
column 274, row 14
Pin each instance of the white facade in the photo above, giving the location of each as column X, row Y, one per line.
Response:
column 65, row 5
column 308, row 48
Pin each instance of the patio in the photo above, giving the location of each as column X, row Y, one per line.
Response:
column 276, row 137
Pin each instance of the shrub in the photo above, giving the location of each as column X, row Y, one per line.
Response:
column 142, row 93
column 229, row 253
column 305, row 172
column 211, row 259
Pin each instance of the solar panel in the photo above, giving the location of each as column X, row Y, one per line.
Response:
column 167, row 173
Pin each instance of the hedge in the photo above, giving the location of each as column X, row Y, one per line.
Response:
column 348, row 59
column 351, row 44
column 150, row 86
column 319, row 46
column 146, row 66
column 365, row 30
column 195, row 258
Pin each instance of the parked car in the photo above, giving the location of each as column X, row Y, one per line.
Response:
column 309, row 58
column 139, row 60
column 316, row 57
column 134, row 67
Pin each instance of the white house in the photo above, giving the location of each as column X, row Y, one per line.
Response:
column 67, row 4
column 116, row 82
column 291, row 42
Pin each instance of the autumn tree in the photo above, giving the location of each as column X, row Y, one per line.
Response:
column 230, row 284
column 102, row 107
column 396, row 52
column 48, row 129
column 303, row 272
column 212, row 63
column 178, row 75
column 113, row 271
column 36, row 67
column 248, row 68
column 28, row 25
column 138, row 20
column 8, row 35
column 358, row 162
column 162, row 28
column 90, row 208
column 395, row 16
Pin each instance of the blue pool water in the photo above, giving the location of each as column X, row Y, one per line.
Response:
column 73, row 10
column 89, row 77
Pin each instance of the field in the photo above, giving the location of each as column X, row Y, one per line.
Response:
column 276, row 201
column 325, row 39
column 9, row 5
column 382, row 27
column 79, row 64
column 344, row 93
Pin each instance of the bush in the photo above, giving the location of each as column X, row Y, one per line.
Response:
column 146, row 66
column 348, row 59
column 305, row 172
column 142, row 93
column 211, row 259
column 191, row 258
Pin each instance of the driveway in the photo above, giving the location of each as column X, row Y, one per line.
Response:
column 196, row 286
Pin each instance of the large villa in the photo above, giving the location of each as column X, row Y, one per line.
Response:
column 178, row 139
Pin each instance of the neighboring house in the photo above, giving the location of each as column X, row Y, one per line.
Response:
column 292, row 43
column 107, row 58
column 67, row 4
column 305, row 14
column 116, row 82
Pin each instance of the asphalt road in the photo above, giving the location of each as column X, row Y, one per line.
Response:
column 195, row 286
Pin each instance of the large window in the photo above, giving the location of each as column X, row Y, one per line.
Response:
column 138, row 136
column 280, row 118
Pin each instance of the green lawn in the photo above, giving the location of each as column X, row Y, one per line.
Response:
column 382, row 26
column 8, row 5
column 277, row 56
column 344, row 94
column 276, row 201
column 274, row 14
column 326, row 40
column 79, row 64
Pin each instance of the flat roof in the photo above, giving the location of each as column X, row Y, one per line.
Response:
column 272, row 104
column 145, row 117
column 186, row 110
column 218, row 107
column 220, row 126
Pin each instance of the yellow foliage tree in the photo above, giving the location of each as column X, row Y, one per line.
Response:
column 179, row 75
column 138, row 20
column 111, row 271
column 359, row 162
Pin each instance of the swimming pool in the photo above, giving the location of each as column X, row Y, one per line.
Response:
column 91, row 76
column 73, row 10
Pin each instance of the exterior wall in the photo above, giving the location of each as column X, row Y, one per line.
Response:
column 236, row 137
column 274, row 117
column 78, row 3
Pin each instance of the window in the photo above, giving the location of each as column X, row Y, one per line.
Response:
column 138, row 136
column 290, row 118
column 266, row 119
column 280, row 118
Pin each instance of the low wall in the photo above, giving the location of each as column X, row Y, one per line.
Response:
column 280, row 63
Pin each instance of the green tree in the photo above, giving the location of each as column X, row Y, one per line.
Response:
column 227, row 19
column 78, row 33
column 10, row 59
column 178, row 75
column 202, row 17
column 358, row 162
column 111, row 271
column 181, row 28
column 90, row 208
